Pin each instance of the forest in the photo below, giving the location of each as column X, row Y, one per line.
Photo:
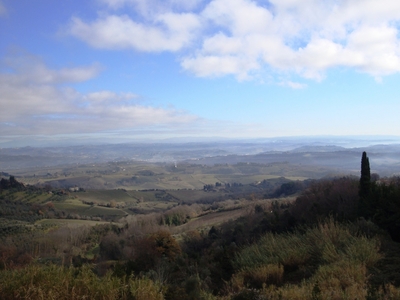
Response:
column 332, row 238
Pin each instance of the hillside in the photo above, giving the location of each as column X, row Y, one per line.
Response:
column 325, row 241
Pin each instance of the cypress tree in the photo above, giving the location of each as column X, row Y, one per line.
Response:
column 365, row 179
column 365, row 204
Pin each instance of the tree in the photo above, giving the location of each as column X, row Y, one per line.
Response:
column 367, row 204
column 166, row 245
column 365, row 179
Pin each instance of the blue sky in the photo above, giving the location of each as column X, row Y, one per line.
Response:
column 124, row 70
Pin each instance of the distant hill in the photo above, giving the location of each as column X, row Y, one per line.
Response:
column 311, row 148
column 334, row 153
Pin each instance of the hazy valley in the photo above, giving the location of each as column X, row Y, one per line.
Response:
column 254, row 217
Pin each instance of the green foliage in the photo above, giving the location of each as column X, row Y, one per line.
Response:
column 289, row 188
column 365, row 179
column 175, row 219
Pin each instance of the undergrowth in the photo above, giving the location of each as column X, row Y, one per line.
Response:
column 59, row 283
column 327, row 261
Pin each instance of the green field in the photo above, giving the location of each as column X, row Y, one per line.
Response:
column 72, row 206
column 139, row 176
column 69, row 222
column 111, row 191
column 105, row 196
column 98, row 211
column 28, row 196
column 75, row 206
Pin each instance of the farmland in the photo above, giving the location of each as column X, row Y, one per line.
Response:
column 188, row 195
column 155, row 221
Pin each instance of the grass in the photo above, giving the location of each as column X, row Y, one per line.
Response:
column 209, row 220
column 144, row 196
column 104, row 211
column 26, row 196
column 69, row 222
column 192, row 196
column 244, row 179
column 105, row 196
column 73, row 206
column 76, row 207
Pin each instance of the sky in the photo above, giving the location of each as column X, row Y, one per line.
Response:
column 128, row 70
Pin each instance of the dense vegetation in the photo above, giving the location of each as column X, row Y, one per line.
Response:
column 339, row 239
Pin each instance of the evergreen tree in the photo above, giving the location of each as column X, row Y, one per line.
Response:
column 365, row 179
column 366, row 203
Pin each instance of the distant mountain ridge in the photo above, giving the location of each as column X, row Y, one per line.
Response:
column 311, row 148
column 309, row 152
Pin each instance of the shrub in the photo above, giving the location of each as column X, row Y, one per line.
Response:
column 286, row 249
column 145, row 289
column 338, row 197
column 56, row 282
column 262, row 275
column 327, row 261
column 342, row 280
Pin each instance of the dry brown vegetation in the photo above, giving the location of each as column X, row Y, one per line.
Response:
column 325, row 243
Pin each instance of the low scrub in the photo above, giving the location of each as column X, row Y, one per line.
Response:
column 325, row 262
column 257, row 277
column 57, row 282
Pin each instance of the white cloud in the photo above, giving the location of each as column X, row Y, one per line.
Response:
column 108, row 96
column 169, row 32
column 210, row 65
column 35, row 101
column 246, row 37
column 378, row 48
column 31, row 69
column 239, row 17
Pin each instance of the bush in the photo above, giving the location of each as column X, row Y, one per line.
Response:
column 57, row 282
column 257, row 277
column 328, row 256
column 338, row 198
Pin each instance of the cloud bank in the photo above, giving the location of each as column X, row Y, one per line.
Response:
column 39, row 100
column 247, row 38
